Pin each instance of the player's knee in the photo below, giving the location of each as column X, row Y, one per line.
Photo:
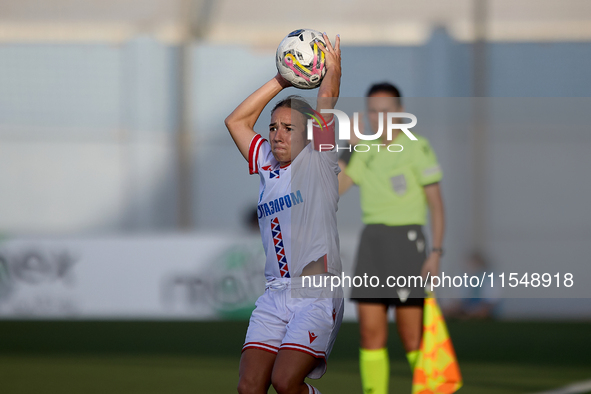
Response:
column 250, row 386
column 284, row 384
column 244, row 388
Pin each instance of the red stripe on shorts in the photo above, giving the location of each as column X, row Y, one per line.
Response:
column 305, row 349
column 261, row 346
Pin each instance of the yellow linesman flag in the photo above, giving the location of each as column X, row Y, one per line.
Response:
column 437, row 370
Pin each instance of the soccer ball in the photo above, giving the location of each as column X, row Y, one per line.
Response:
column 299, row 59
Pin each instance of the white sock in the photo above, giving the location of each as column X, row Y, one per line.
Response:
column 312, row 389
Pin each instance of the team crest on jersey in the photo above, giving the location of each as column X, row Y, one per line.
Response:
column 272, row 173
column 279, row 248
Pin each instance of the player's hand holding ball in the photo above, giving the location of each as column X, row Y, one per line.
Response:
column 282, row 81
column 332, row 54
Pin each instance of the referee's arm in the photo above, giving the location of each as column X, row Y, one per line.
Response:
column 437, row 216
column 345, row 181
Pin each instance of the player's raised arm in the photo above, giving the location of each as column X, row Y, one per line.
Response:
column 241, row 122
column 331, row 83
column 325, row 139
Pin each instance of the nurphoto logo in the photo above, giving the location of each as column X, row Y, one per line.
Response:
column 345, row 129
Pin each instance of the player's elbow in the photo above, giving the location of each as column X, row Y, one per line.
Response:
column 328, row 98
column 232, row 125
column 229, row 122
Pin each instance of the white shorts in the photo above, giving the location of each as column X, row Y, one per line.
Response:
column 309, row 325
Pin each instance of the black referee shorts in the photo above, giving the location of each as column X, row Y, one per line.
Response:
column 390, row 252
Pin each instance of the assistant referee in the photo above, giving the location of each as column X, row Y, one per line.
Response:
column 396, row 189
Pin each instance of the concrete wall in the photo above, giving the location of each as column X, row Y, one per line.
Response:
column 87, row 137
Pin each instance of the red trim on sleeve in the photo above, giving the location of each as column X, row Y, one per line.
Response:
column 324, row 135
column 253, row 154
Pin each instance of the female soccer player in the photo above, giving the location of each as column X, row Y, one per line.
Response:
column 396, row 188
column 293, row 328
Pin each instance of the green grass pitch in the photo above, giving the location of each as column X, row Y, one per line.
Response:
column 195, row 357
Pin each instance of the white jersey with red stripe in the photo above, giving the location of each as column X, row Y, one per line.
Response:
column 297, row 208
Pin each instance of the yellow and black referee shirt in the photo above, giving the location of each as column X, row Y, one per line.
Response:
column 391, row 183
